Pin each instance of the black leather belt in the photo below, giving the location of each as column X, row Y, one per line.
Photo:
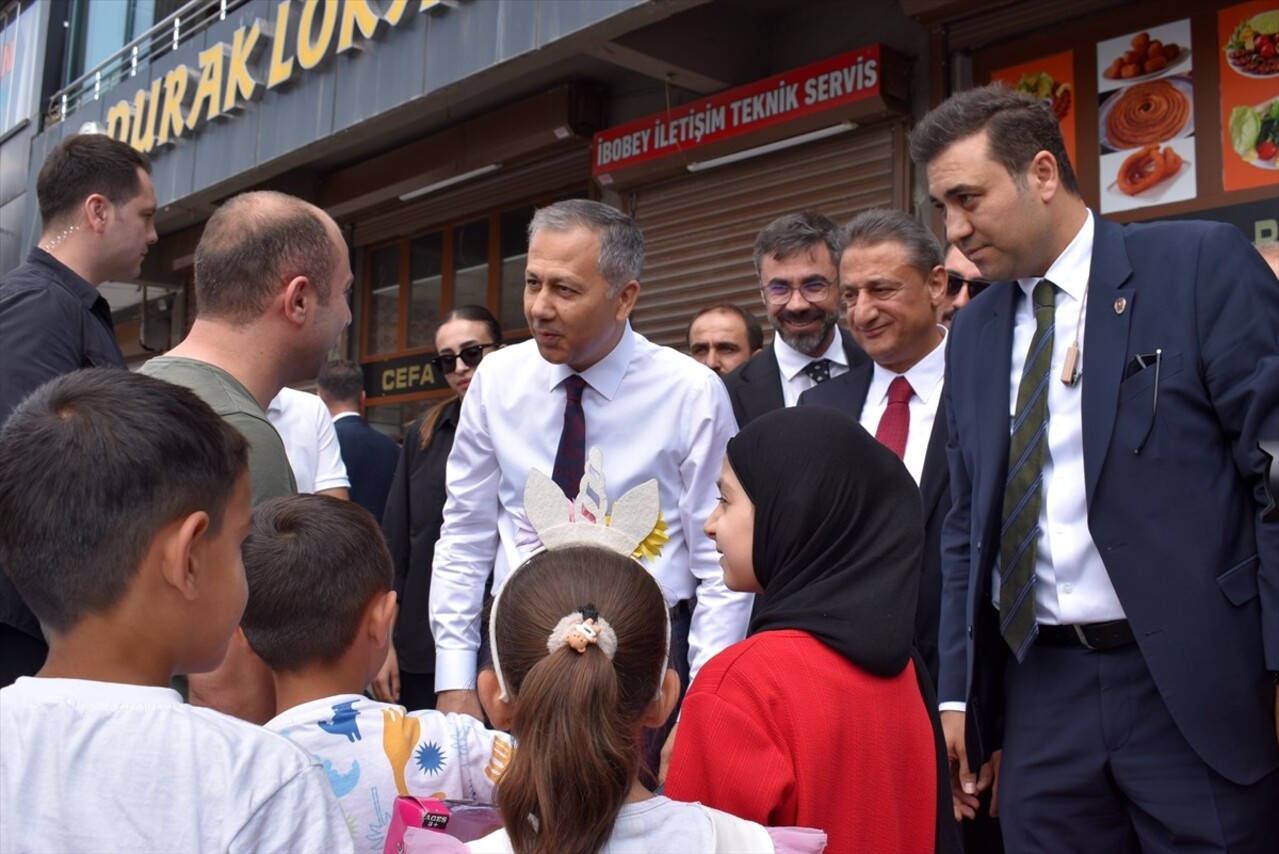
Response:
column 1115, row 633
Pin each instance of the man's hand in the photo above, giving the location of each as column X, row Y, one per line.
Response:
column 386, row 685
column 964, row 785
column 995, row 759
column 461, row 702
column 667, row 749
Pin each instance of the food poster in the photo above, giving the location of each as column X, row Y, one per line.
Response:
column 1052, row 80
column 1249, row 38
column 1145, row 119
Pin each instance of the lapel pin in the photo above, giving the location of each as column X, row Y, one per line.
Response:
column 1120, row 305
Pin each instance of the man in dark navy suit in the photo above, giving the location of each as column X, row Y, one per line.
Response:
column 1110, row 611
column 370, row 456
column 796, row 257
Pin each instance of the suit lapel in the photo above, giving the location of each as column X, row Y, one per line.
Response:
column 858, row 387
column 990, row 371
column 1105, row 344
column 935, row 474
column 761, row 390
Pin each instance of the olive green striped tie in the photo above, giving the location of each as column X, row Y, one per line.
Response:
column 1023, row 491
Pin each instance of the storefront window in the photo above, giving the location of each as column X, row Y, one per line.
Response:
column 513, row 237
column 471, row 263
column 383, row 323
column 426, row 272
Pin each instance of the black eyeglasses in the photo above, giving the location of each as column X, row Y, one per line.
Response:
column 955, row 283
column 446, row 363
column 777, row 293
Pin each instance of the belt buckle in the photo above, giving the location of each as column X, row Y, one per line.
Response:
column 1083, row 639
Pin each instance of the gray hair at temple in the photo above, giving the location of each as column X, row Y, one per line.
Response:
column 621, row 242
column 795, row 233
column 886, row 225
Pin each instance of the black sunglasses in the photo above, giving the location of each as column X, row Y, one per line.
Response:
column 955, row 283
column 446, row 363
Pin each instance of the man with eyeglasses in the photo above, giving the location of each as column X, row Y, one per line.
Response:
column 796, row 258
column 963, row 282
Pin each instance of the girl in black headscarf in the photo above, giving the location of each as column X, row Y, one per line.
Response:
column 822, row 717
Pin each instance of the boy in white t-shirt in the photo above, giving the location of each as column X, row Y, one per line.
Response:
column 123, row 503
column 320, row 615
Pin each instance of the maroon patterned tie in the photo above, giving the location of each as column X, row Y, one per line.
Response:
column 895, row 423
column 570, row 460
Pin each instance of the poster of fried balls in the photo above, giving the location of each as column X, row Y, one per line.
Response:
column 1145, row 118
column 1248, row 37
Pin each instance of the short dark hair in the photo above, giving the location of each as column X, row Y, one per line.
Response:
column 794, row 233
column 82, row 165
column 313, row 563
column 754, row 332
column 621, row 241
column 92, row 465
column 340, row 381
column 1017, row 127
column 251, row 243
column 887, row 225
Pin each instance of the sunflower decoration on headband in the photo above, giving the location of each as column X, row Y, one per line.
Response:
column 634, row 526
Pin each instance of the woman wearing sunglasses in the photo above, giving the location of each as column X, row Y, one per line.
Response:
column 415, row 507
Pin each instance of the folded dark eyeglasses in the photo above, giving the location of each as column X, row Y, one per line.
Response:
column 446, row 363
column 955, row 283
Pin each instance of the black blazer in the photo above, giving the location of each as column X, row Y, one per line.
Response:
column 370, row 459
column 755, row 387
column 847, row 394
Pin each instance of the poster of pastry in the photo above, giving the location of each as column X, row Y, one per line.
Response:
column 1052, row 80
column 1145, row 118
column 1248, row 35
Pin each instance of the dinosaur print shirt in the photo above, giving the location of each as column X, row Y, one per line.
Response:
column 374, row 751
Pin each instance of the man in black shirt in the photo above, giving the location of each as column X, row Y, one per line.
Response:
column 98, row 206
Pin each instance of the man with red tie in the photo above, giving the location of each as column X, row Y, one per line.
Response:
column 891, row 281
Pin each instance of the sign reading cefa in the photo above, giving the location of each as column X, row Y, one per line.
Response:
column 305, row 35
column 784, row 97
column 403, row 375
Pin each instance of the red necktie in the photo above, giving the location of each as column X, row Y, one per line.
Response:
column 895, row 423
column 570, row 460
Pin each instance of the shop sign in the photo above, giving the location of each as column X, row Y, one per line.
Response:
column 806, row 91
column 305, row 35
column 401, row 375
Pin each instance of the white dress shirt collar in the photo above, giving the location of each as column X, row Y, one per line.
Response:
column 605, row 376
column 1071, row 269
column 790, row 361
column 924, row 376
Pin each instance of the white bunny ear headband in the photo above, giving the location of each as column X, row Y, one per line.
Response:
column 634, row 528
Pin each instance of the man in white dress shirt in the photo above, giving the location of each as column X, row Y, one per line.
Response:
column 653, row 413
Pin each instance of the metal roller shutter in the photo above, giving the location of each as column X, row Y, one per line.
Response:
column 700, row 229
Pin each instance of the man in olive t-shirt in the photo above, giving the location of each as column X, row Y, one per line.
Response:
column 272, row 274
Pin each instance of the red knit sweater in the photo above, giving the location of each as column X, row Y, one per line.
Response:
column 782, row 730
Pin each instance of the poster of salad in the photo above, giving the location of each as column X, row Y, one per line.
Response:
column 1052, row 80
column 1249, row 38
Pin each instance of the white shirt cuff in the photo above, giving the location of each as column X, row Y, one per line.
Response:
column 455, row 670
column 943, row 707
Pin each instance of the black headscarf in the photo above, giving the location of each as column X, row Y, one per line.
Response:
column 839, row 534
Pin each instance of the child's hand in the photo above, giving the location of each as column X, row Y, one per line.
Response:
column 386, row 686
